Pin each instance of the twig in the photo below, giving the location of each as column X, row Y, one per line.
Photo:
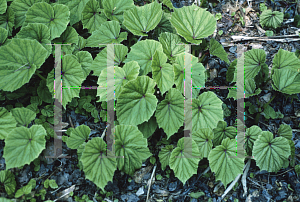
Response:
column 104, row 131
column 244, row 177
column 70, row 119
column 140, row 38
column 150, row 182
column 285, row 39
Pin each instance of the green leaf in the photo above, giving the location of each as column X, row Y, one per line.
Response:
column 231, row 72
column 163, row 73
column 164, row 25
column 221, row 132
column 109, row 32
column 250, row 88
column 286, row 81
column 197, row 73
column 169, row 43
column 98, row 166
column 285, row 59
column 225, row 168
column 207, row 111
column 7, row 178
column 136, row 102
column 92, row 17
column 5, row 200
column 85, row 59
column 203, row 138
column 140, row 20
column 72, row 79
column 23, row 191
column 7, row 20
column 44, row 93
column 7, row 123
column 80, row 46
column 186, row 164
column 16, row 71
column 275, row 150
column 100, row 62
column 114, row 9
column 164, row 156
column 69, row 36
column 254, row 59
column 143, row 52
column 271, row 19
column 148, row 127
column 193, row 23
column 27, row 143
column 130, row 143
column 78, row 136
column 3, row 6
column 285, row 131
column 251, row 135
column 217, row 49
column 53, row 184
column 56, row 18
column 76, row 7
column 3, row 35
column 23, row 116
column 170, row 112
column 197, row 194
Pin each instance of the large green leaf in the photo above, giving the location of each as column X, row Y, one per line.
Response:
column 193, row 23
column 23, row 116
column 76, row 7
column 140, row 20
column 271, row 19
column 225, row 168
column 186, row 164
column 109, row 32
column 92, row 17
column 143, row 52
column 121, row 76
column 85, row 59
column 254, row 59
column 286, row 59
column 203, row 138
column 7, row 123
column 251, row 135
column 56, row 17
column 3, row 6
column 78, row 136
column 7, row 178
column 197, row 73
column 164, row 156
column 20, row 8
column 7, row 20
column 170, row 112
column 217, row 49
column 114, row 9
column 207, row 111
column 270, row 153
column 23, row 145
column 222, row 131
column 163, row 73
column 130, row 143
column 136, row 102
column 286, row 81
column 72, row 78
column 100, row 61
column 98, row 166
column 170, row 45
column 148, row 127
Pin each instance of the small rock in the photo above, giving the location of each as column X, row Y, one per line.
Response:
column 140, row 191
column 232, row 49
column 172, row 186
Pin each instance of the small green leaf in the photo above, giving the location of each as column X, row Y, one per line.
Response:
column 78, row 136
column 271, row 19
column 114, row 9
column 23, row 116
column 7, row 123
column 148, row 127
column 164, row 156
column 251, row 136
column 285, row 131
column 169, row 43
column 217, row 49
column 92, row 17
column 7, row 178
column 203, row 138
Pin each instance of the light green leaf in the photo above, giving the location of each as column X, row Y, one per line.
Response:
column 76, row 7
column 114, row 9
column 270, row 153
column 7, row 20
column 271, row 19
column 168, row 3
column 203, row 138
column 186, row 164
column 285, row 59
column 286, row 81
column 222, row 132
column 164, row 156
column 251, row 135
column 225, row 168
column 217, row 49
column 109, row 32
column 140, row 20
column 7, row 123
column 98, row 166
column 7, row 178
column 285, row 131
column 170, row 112
column 72, row 77
column 143, row 52
column 100, row 62
column 20, row 8
column 254, row 59
column 85, row 59
column 56, row 17
column 130, row 143
column 231, row 72
column 207, row 111
column 193, row 23
column 169, row 43
column 69, row 36
column 3, row 6
column 250, row 88
column 92, row 17
column 78, row 136
column 148, row 127
column 80, row 46
column 137, row 102
column 23, row 116
column 2, row 199
column 163, row 73
column 23, row 145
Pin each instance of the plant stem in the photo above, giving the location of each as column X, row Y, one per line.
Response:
column 40, row 76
